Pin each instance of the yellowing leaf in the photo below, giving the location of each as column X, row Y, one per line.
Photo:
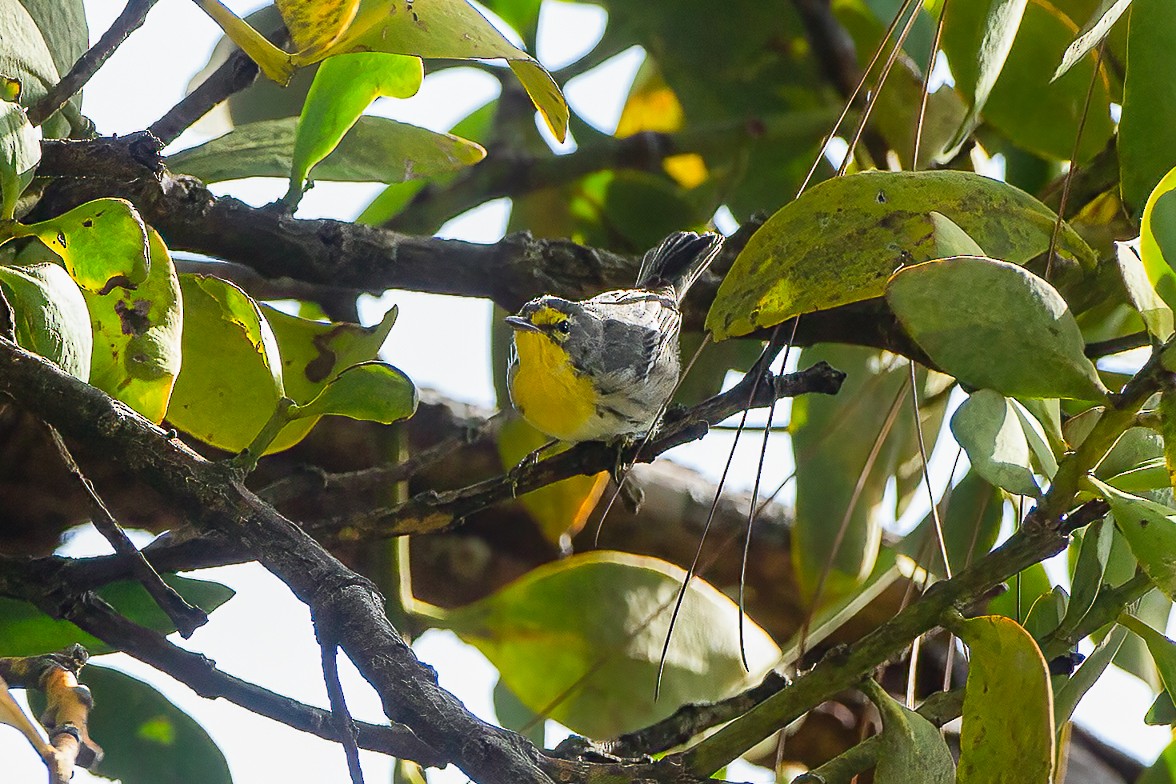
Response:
column 1157, row 238
column 451, row 29
column 102, row 243
column 1007, row 677
column 652, row 105
column 137, row 337
column 316, row 24
column 274, row 63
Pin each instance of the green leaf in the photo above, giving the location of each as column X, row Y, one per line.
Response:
column 1036, row 113
column 147, row 739
column 62, row 24
column 1093, row 554
column 316, row 24
column 951, row 240
column 343, row 88
column 1141, row 293
column 26, row 631
column 590, row 629
column 971, row 524
column 316, row 352
column 1157, row 237
column 1047, row 612
column 1149, row 101
column 103, row 243
column 986, row 426
column 1092, row 33
column 1150, row 530
column 832, row 438
column 514, row 715
column 1039, row 443
column 231, row 378
column 1162, row 711
column 994, row 325
column 137, row 336
column 977, row 60
column 913, row 750
column 51, row 315
column 453, row 29
column 20, row 152
column 1024, row 590
column 1149, row 475
column 25, row 56
column 1162, row 649
column 842, row 239
column 376, row 149
column 1007, row 676
column 1071, row 690
column 369, row 392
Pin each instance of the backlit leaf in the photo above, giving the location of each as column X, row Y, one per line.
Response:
column 137, row 336
column 147, row 739
column 453, row 29
column 994, row 325
column 593, row 626
column 970, row 524
column 231, row 378
column 26, row 631
column 1161, row 648
column 1067, row 695
column 560, row 509
column 316, row 24
column 102, row 243
column 343, row 88
column 369, row 391
column 842, row 239
column 1157, row 237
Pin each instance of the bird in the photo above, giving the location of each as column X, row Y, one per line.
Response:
column 603, row 369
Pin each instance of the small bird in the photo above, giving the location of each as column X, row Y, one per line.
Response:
column 604, row 368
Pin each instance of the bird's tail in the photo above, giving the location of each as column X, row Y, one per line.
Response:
column 678, row 261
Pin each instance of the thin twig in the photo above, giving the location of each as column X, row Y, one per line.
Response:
column 344, row 724
column 186, row 618
column 128, row 21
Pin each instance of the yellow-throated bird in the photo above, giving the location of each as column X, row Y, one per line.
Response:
column 605, row 367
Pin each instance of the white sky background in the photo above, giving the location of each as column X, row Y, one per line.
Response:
column 146, row 77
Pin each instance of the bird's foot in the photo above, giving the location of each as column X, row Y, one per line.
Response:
column 532, row 458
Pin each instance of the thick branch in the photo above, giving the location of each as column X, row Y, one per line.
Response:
column 341, row 255
column 337, row 596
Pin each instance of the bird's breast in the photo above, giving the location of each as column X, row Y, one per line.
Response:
column 548, row 391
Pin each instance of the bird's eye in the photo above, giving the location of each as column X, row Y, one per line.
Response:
column 564, row 327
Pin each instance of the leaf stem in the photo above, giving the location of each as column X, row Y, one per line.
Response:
column 284, row 414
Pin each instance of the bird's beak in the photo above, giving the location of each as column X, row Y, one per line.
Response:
column 521, row 324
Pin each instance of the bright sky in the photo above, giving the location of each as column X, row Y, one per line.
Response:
column 126, row 96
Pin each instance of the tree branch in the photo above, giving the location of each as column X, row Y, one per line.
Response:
column 130, row 20
column 432, row 511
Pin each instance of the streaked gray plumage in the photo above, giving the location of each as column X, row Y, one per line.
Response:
column 624, row 341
